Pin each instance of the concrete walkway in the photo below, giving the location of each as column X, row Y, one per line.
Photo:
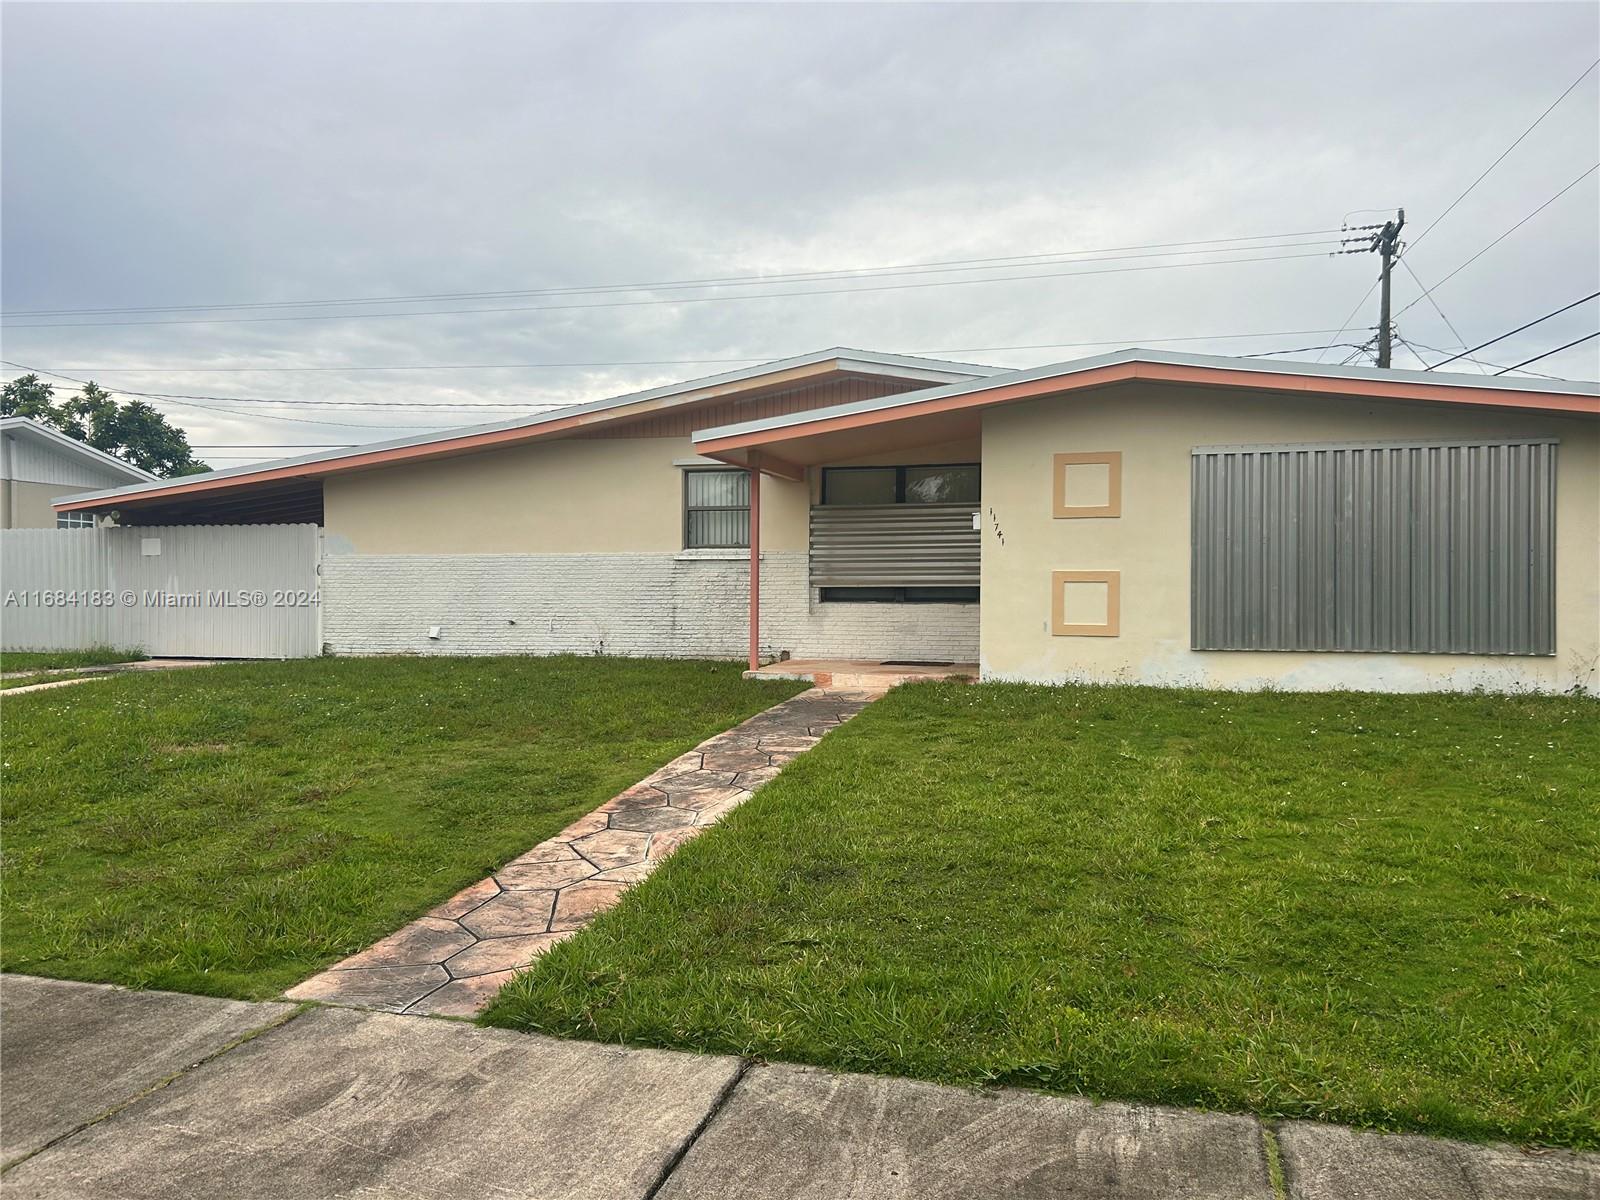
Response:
column 90, row 674
column 153, row 1096
column 452, row 961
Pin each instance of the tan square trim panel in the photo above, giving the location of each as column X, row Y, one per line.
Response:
column 1058, row 603
column 1109, row 459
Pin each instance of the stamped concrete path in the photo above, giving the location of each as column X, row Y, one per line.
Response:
column 153, row 1096
column 452, row 961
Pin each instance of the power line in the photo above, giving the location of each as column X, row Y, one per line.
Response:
column 374, row 404
column 664, row 362
column 935, row 266
column 1508, row 150
column 377, row 405
column 1501, row 238
column 180, row 368
column 1449, row 324
column 455, row 312
column 186, row 403
column 1487, row 363
column 1410, row 347
column 1575, row 342
column 1301, row 350
column 1346, row 325
column 1520, row 328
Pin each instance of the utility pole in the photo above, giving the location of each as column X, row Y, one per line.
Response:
column 1387, row 243
column 1385, row 240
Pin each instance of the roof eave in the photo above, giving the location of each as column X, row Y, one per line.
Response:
column 466, row 439
column 1127, row 365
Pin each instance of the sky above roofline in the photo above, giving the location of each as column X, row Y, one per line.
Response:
column 1167, row 175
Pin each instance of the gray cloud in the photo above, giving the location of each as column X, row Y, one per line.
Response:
column 182, row 154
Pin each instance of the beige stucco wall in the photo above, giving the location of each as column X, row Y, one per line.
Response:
column 577, row 546
column 602, row 496
column 27, row 505
column 1155, row 429
column 572, row 496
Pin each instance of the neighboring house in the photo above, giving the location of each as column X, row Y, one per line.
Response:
column 39, row 463
column 1139, row 516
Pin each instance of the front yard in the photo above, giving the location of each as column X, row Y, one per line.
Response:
column 230, row 830
column 1379, row 910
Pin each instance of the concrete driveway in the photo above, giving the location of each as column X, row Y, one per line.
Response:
column 111, row 1093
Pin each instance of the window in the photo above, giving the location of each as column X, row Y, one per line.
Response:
column 897, row 535
column 716, row 509
column 953, row 484
column 74, row 520
column 901, row 595
column 1430, row 548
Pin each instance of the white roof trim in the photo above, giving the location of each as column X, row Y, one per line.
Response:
column 38, row 430
column 934, row 371
column 1163, row 357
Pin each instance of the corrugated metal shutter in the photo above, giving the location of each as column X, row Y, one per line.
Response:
column 894, row 545
column 1426, row 547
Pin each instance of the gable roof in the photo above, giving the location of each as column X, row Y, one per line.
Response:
column 468, row 438
column 29, row 429
column 733, row 442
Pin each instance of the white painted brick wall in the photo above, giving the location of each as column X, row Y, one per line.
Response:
column 657, row 605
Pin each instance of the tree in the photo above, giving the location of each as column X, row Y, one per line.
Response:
column 133, row 432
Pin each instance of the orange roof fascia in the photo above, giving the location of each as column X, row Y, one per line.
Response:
column 1442, row 393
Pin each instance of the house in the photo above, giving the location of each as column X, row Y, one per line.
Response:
column 1138, row 516
column 39, row 463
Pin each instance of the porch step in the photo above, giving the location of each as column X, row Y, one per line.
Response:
column 859, row 675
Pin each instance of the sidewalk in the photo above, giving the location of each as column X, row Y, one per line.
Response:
column 109, row 1092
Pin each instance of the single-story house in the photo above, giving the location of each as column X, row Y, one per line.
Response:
column 39, row 463
column 1139, row 516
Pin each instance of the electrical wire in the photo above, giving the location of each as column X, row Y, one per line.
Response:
column 1346, row 325
column 375, row 404
column 663, row 362
column 1417, row 241
column 937, row 266
column 1299, row 350
column 1575, row 342
column 1501, row 238
column 1520, row 328
column 1448, row 322
column 230, row 412
column 1413, row 349
column 610, row 304
column 1487, row 363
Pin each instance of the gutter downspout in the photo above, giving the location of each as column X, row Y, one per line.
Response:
column 755, row 563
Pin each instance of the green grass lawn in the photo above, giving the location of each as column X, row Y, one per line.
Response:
column 1378, row 910
column 230, row 830
column 35, row 660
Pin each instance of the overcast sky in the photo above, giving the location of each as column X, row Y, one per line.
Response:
column 189, row 154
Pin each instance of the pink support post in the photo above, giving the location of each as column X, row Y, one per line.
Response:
column 755, row 564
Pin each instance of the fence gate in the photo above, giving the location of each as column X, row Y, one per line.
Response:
column 203, row 591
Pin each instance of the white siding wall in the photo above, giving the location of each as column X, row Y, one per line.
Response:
column 33, row 461
column 629, row 604
column 200, row 590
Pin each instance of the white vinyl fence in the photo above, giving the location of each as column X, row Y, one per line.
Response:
column 202, row 591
